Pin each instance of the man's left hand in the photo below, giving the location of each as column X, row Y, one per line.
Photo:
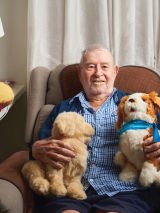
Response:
column 151, row 149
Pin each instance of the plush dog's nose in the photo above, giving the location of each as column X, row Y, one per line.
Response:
column 131, row 100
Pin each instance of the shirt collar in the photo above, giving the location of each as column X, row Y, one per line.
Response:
column 76, row 97
column 115, row 96
column 81, row 98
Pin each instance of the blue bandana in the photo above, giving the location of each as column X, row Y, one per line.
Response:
column 140, row 124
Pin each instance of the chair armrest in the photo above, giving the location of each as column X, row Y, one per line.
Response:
column 11, row 199
column 10, row 170
column 36, row 97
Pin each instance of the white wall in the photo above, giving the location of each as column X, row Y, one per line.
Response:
column 13, row 46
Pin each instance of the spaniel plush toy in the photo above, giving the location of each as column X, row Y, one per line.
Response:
column 137, row 120
column 46, row 180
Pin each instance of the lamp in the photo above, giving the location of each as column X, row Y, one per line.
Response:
column 1, row 29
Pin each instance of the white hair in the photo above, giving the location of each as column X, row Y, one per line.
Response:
column 91, row 48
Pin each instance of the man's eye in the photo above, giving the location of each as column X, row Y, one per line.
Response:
column 105, row 67
column 90, row 66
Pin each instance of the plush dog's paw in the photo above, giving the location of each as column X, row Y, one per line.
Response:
column 76, row 191
column 145, row 180
column 40, row 185
column 128, row 176
column 58, row 190
column 148, row 174
column 77, row 195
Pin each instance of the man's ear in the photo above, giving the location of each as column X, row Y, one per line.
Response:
column 116, row 69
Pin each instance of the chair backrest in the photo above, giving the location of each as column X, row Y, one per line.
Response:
column 137, row 79
column 129, row 79
column 63, row 83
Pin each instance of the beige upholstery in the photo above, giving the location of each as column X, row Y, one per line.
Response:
column 48, row 88
column 14, row 195
column 44, row 90
column 10, row 171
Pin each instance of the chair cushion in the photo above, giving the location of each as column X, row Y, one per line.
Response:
column 69, row 81
column 54, row 93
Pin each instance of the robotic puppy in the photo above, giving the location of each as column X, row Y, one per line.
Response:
column 137, row 121
column 43, row 179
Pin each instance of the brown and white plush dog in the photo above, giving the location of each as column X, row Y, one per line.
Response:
column 137, row 121
column 45, row 180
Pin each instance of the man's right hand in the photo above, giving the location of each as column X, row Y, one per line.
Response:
column 54, row 152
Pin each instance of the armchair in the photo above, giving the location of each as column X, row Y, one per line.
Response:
column 48, row 88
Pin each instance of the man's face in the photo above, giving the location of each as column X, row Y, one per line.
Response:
column 97, row 74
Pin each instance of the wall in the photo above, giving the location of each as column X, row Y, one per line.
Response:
column 13, row 65
column 12, row 129
column 13, row 46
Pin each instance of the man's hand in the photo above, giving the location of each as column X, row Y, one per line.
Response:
column 54, row 152
column 151, row 149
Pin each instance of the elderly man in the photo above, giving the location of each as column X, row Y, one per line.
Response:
column 98, row 105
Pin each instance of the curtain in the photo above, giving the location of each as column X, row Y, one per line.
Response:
column 58, row 30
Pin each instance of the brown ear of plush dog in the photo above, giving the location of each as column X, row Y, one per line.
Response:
column 155, row 100
column 121, row 113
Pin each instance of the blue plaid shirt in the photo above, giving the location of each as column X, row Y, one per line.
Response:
column 101, row 172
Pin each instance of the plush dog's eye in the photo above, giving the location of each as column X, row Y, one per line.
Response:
column 131, row 100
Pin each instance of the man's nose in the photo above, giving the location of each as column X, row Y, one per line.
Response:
column 98, row 70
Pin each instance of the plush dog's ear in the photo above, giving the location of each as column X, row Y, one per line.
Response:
column 155, row 100
column 63, row 129
column 121, row 113
column 87, row 129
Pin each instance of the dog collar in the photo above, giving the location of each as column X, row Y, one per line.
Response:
column 140, row 124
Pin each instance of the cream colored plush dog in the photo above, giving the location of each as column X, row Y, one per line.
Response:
column 45, row 180
column 137, row 121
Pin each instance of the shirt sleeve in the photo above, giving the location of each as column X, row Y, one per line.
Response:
column 45, row 131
